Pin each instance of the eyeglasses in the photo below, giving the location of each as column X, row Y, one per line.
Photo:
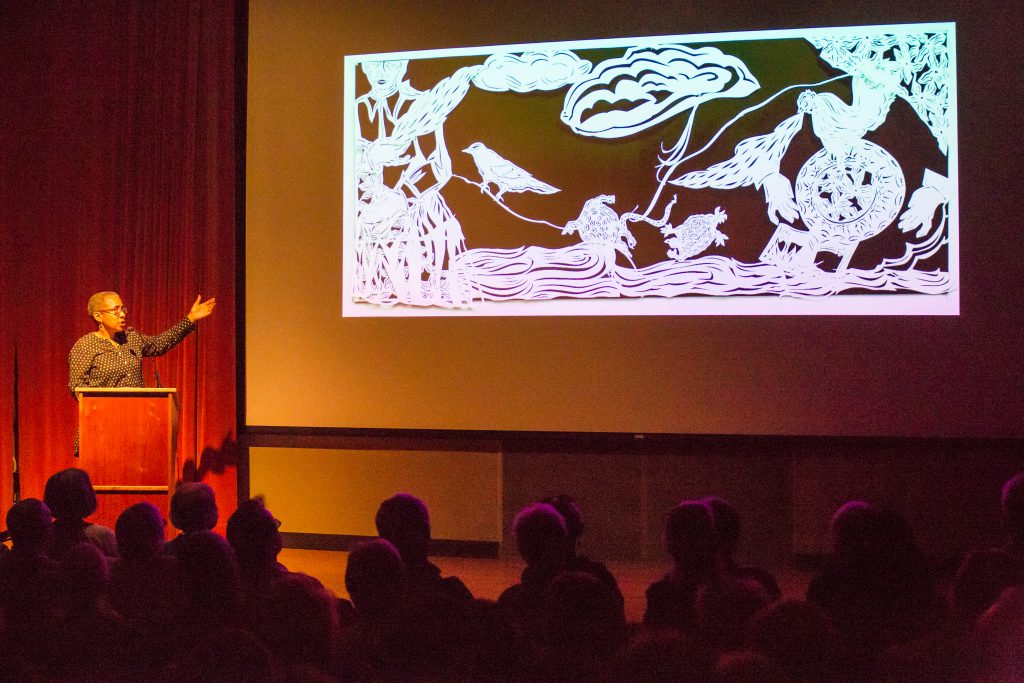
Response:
column 115, row 311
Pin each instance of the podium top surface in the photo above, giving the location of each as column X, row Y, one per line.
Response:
column 108, row 391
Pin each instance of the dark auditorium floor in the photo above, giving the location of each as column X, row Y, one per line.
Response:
column 487, row 578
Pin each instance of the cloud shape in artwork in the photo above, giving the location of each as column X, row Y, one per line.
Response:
column 531, row 71
column 649, row 85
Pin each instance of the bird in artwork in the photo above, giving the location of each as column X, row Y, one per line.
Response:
column 506, row 176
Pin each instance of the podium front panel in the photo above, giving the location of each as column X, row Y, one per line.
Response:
column 127, row 439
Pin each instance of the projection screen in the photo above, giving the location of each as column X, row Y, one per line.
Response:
column 576, row 228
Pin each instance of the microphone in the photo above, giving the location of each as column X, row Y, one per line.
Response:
column 158, row 385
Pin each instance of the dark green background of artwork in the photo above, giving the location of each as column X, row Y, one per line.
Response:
column 526, row 129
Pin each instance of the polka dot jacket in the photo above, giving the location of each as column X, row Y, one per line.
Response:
column 98, row 362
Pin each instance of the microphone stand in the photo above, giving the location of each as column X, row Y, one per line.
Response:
column 15, row 474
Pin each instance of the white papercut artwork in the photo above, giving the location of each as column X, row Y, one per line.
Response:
column 781, row 172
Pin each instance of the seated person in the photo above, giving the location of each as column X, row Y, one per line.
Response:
column 375, row 579
column 878, row 590
column 1012, row 503
column 88, row 638
column 725, row 608
column 27, row 572
column 796, row 636
column 982, row 576
column 727, row 529
column 70, row 497
column 585, row 627
column 145, row 587
column 691, row 542
column 377, row 587
column 543, row 543
column 193, row 508
column 209, row 580
column 253, row 534
column 404, row 521
column 995, row 652
column 298, row 620
column 570, row 511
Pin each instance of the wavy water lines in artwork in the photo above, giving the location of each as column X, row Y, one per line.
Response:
column 536, row 273
column 583, row 271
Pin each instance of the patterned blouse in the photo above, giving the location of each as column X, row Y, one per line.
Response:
column 98, row 362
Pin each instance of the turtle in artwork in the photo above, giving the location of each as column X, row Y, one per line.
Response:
column 598, row 223
column 695, row 234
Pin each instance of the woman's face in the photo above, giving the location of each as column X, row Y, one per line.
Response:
column 384, row 77
column 111, row 315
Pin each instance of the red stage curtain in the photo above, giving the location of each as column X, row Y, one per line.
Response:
column 117, row 171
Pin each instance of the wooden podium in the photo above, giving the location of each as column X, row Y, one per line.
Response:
column 127, row 442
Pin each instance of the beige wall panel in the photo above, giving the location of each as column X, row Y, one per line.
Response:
column 326, row 491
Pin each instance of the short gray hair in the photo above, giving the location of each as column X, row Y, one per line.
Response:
column 96, row 300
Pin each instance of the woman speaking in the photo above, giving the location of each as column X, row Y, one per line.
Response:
column 112, row 355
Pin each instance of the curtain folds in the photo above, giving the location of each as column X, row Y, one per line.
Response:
column 117, row 171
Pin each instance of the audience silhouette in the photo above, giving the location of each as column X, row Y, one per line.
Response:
column 567, row 507
column 727, row 536
column 1012, row 502
column 28, row 586
column 70, row 497
column 146, row 587
column 253, row 534
column 543, row 542
column 877, row 591
column 79, row 602
column 89, row 638
column 193, row 508
column 797, row 637
column 377, row 584
column 404, row 521
column 691, row 542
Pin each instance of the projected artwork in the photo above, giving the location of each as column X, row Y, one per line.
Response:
column 771, row 172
